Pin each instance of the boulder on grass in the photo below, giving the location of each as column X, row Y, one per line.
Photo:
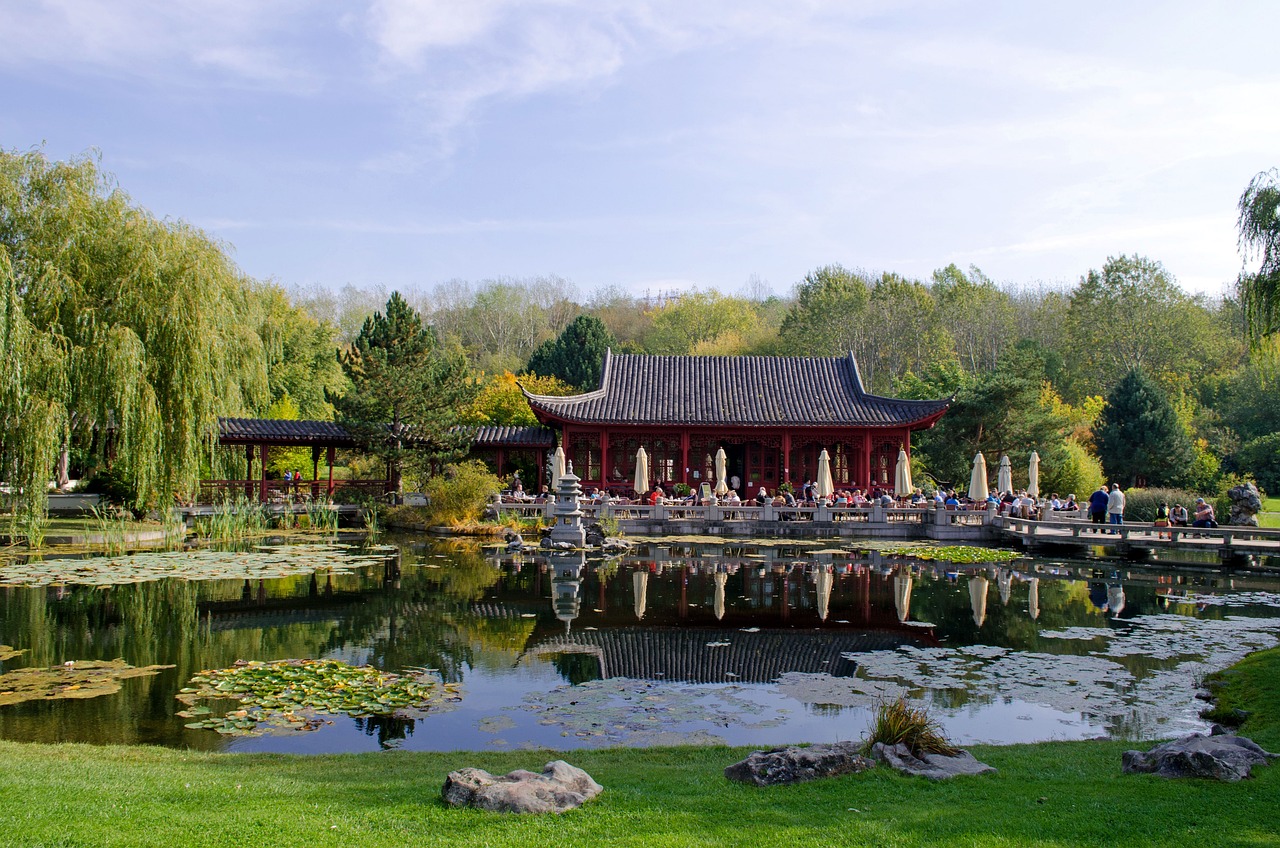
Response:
column 1223, row 757
column 560, row 787
column 795, row 765
column 932, row 766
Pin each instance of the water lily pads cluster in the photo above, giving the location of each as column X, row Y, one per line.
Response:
column 8, row 652
column 295, row 694
column 263, row 563
column 75, row 679
column 959, row 554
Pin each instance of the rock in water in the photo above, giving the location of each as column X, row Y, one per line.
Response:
column 932, row 766
column 560, row 787
column 1223, row 757
column 794, row 765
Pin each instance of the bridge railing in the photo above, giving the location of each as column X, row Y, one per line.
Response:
column 1103, row 534
column 715, row 514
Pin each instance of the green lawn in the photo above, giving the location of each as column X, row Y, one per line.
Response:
column 1050, row 794
column 1270, row 515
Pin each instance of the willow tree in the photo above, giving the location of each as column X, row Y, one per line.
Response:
column 125, row 336
column 1259, row 228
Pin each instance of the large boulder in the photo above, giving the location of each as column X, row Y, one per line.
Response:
column 1224, row 757
column 1245, row 504
column 795, row 765
column 932, row 766
column 560, row 787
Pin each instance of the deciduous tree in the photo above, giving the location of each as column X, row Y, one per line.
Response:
column 1259, row 228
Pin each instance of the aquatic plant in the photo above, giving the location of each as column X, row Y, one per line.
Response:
column 111, row 526
column 75, row 679
column 898, row 723
column 322, row 515
column 290, row 694
column 959, row 554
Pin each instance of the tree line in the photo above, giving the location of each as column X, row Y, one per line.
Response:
column 126, row 336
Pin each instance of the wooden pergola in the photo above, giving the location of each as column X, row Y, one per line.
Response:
column 259, row 435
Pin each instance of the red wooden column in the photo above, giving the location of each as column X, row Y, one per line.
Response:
column 786, row 458
column 604, row 459
column 315, row 472
column 248, row 473
column 684, row 456
column 329, row 459
column 262, row 483
column 866, row 459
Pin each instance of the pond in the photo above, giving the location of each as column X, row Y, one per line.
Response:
column 681, row 641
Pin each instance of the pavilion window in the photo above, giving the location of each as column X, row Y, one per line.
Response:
column 585, row 452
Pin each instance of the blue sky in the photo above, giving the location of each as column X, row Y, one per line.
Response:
column 663, row 145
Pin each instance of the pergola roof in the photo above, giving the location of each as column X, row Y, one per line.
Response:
column 513, row 437
column 271, row 431
column 734, row 391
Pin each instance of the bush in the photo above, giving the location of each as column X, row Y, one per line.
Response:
column 1140, row 504
column 117, row 489
column 896, row 723
column 459, row 495
column 1076, row 472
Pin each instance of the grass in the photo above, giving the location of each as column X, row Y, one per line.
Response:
column 1051, row 794
column 1270, row 514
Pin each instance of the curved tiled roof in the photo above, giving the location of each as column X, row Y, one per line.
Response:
column 739, row 391
column 279, row 431
column 513, row 437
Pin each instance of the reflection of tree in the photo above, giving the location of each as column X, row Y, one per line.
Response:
column 577, row 668
column 388, row 730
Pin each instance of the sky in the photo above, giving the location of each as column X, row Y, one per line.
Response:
column 659, row 146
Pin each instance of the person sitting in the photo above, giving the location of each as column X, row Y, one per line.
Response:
column 1204, row 514
column 1162, row 518
column 1178, row 516
column 762, row 497
column 788, row 499
column 1055, row 503
column 655, row 496
column 732, row 498
column 951, row 502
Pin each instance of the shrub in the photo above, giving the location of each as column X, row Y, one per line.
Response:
column 896, row 723
column 459, row 495
column 1140, row 504
column 1261, row 458
column 1076, row 472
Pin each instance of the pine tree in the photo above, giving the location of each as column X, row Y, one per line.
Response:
column 1140, row 440
column 576, row 356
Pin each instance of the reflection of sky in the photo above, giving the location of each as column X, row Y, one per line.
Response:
column 491, row 624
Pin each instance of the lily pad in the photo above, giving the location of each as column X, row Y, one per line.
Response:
column 293, row 694
column 77, row 679
column 8, row 653
column 960, row 554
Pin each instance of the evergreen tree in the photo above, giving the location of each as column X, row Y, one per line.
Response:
column 1140, row 440
column 576, row 356
column 407, row 390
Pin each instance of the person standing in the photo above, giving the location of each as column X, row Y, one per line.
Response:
column 1115, row 505
column 1098, row 506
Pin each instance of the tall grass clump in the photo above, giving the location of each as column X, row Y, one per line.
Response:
column 234, row 519
column 896, row 722
column 321, row 515
column 112, row 525
column 458, row 496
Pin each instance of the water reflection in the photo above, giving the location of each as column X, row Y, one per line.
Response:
column 775, row 642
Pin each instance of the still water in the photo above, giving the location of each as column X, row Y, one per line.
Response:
column 743, row 643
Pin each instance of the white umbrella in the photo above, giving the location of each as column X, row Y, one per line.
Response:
column 557, row 468
column 902, row 475
column 721, row 578
column 722, row 474
column 978, row 599
column 640, row 586
column 1004, row 480
column 978, row 479
column 1115, row 599
column 825, row 487
column 1004, row 582
column 641, row 482
column 902, row 594
column 823, row 580
column 1033, row 476
column 1033, row 597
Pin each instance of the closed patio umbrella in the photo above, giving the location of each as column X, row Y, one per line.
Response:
column 1004, row 480
column 717, row 604
column 902, row 486
column 722, row 473
column 557, row 468
column 978, row 599
column 1033, row 476
column 1004, row 582
column 902, row 594
column 825, row 487
column 978, row 490
column 641, row 481
column 640, row 588
column 823, row 581
column 1033, row 597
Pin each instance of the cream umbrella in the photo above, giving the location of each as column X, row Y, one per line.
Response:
column 641, row 481
column 557, row 468
column 825, row 487
column 823, row 581
column 1033, row 597
column 902, row 486
column 902, row 594
column 1004, row 582
column 722, row 473
column 721, row 577
column 978, row 599
column 1033, row 476
column 978, row 490
column 640, row 588
column 1004, row 479
column 1115, row 599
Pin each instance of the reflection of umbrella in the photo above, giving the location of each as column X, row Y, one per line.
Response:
column 825, row 487
column 1004, row 582
column 721, row 578
column 722, row 474
column 902, row 594
column 978, row 599
column 641, row 483
column 1115, row 599
column 557, row 468
column 823, row 580
column 1004, row 480
column 640, row 586
column 1033, row 597
column 1033, row 476
column 978, row 479
column 902, row 475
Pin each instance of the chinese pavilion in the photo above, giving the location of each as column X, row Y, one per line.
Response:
column 772, row 415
